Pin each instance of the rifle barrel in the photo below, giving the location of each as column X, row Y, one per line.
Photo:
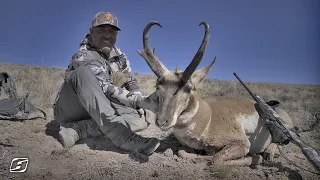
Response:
column 254, row 97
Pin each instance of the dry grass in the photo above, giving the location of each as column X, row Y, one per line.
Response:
column 301, row 101
column 41, row 82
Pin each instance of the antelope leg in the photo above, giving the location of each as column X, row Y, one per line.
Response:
column 269, row 153
column 184, row 154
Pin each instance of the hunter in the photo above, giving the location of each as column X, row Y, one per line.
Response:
column 100, row 95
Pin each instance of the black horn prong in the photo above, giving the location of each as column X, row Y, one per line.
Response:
column 198, row 56
column 154, row 63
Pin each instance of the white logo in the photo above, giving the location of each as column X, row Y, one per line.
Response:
column 19, row 164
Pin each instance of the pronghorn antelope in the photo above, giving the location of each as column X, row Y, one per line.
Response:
column 227, row 128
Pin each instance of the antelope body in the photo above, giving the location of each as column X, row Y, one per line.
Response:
column 227, row 128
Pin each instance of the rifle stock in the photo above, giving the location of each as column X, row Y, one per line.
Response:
column 309, row 152
column 273, row 120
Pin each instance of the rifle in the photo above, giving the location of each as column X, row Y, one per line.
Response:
column 280, row 131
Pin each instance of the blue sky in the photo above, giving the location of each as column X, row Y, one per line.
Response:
column 261, row 40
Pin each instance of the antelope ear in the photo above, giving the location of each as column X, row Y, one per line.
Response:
column 198, row 76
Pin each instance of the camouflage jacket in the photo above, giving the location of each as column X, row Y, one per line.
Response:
column 107, row 70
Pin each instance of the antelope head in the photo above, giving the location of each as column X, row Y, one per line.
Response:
column 176, row 90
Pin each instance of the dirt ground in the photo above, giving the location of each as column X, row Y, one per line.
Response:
column 99, row 159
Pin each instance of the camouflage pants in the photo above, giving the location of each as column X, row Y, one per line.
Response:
column 82, row 102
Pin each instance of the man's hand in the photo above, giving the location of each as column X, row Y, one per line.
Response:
column 147, row 114
column 147, row 102
column 150, row 116
column 141, row 112
column 132, row 93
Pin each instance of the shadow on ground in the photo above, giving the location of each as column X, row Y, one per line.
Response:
column 171, row 142
column 52, row 129
column 292, row 174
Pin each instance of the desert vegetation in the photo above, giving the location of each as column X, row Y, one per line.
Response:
column 301, row 101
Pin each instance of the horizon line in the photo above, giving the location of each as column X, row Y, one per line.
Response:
column 150, row 73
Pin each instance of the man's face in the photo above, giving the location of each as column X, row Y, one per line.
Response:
column 104, row 36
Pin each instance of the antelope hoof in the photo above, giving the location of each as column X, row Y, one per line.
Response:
column 183, row 154
column 268, row 156
column 256, row 159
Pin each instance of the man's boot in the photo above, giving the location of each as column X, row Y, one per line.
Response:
column 71, row 132
column 125, row 139
column 137, row 143
column 68, row 136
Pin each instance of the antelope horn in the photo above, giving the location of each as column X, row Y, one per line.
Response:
column 198, row 57
column 154, row 63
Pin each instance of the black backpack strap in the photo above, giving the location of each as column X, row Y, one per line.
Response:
column 25, row 107
column 44, row 113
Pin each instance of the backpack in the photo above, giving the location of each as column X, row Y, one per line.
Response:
column 14, row 107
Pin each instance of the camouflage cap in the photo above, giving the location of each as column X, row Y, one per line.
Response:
column 105, row 18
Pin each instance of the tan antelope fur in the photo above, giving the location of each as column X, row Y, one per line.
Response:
column 228, row 128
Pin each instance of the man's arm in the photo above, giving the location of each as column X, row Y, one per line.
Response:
column 114, row 93
column 132, row 84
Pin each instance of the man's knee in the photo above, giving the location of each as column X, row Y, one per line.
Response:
column 83, row 76
column 82, row 72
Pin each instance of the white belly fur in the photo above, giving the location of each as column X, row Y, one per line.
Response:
column 186, row 137
column 258, row 135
